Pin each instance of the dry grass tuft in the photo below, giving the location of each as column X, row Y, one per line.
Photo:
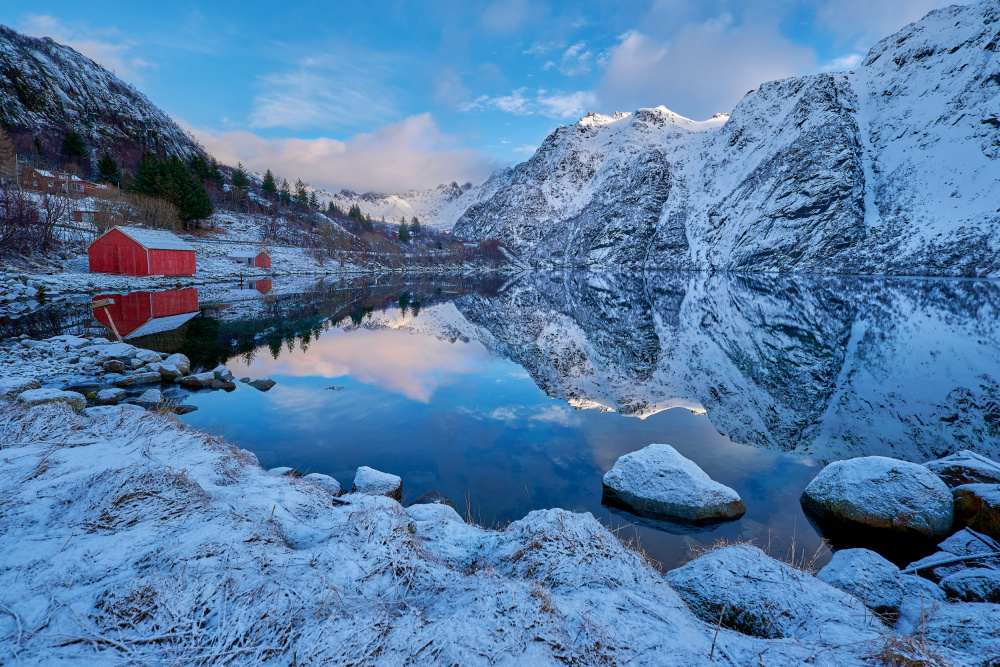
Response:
column 909, row 651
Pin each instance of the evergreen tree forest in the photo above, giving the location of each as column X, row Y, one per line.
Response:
column 175, row 181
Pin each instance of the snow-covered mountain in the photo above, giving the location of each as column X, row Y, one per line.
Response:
column 49, row 88
column 890, row 169
column 438, row 207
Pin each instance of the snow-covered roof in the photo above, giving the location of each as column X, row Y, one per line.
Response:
column 243, row 254
column 161, row 324
column 154, row 239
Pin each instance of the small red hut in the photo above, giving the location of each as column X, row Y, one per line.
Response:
column 251, row 258
column 144, row 313
column 141, row 252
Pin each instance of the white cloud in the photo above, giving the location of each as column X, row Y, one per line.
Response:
column 843, row 64
column 576, row 60
column 330, row 90
column 105, row 47
column 552, row 104
column 412, row 153
column 862, row 23
column 705, row 68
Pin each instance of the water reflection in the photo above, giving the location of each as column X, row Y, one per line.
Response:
column 146, row 313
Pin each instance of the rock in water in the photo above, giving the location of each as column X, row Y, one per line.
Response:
column 975, row 584
column 151, row 397
column 433, row 498
column 965, row 467
column 325, row 482
column 262, row 384
column 180, row 362
column 110, row 396
column 39, row 396
column 978, row 507
column 759, row 596
column 139, row 378
column 374, row 483
column 197, row 381
column 878, row 500
column 657, row 482
column 868, row 577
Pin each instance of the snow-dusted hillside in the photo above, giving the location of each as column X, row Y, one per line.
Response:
column 49, row 87
column 890, row 169
column 438, row 207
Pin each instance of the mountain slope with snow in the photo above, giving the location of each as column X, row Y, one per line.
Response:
column 890, row 169
column 49, row 88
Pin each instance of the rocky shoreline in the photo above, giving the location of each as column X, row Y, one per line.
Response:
column 123, row 527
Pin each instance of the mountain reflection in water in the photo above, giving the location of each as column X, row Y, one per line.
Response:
column 509, row 396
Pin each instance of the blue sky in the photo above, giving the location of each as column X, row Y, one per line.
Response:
column 393, row 95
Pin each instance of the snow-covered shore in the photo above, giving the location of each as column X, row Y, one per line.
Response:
column 131, row 537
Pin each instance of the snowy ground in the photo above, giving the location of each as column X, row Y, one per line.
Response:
column 130, row 538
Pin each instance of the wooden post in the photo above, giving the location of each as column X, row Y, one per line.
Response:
column 104, row 303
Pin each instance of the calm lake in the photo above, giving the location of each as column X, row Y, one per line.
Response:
column 513, row 394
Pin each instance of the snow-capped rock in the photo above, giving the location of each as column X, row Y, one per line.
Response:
column 41, row 396
column 325, row 482
column 376, row 483
column 657, row 482
column 974, row 584
column 889, row 169
column 876, row 495
column 867, row 576
column 965, row 467
column 437, row 208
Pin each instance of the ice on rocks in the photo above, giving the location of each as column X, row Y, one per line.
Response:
column 40, row 396
column 376, row 483
column 658, row 482
column 867, row 576
column 325, row 482
column 879, row 495
column 965, row 467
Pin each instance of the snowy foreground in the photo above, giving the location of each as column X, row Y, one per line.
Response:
column 130, row 538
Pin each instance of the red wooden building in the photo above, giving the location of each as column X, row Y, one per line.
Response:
column 41, row 180
column 141, row 252
column 252, row 258
column 144, row 313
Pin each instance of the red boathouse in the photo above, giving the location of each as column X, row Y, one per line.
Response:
column 141, row 252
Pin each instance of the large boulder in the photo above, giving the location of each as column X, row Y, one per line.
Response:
column 878, row 500
column 965, row 467
column 375, row 483
column 868, row 577
column 151, row 398
column 974, row 584
column 978, row 507
column 167, row 371
column 40, row 396
column 657, row 482
column 110, row 396
column 197, row 381
column 746, row 590
column 147, row 356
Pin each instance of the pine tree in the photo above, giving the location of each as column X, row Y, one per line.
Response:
column 415, row 226
column 108, row 170
column 38, row 149
column 301, row 196
column 215, row 174
column 313, row 202
column 404, row 232
column 73, row 145
column 240, row 178
column 285, row 194
column 8, row 158
column 269, row 187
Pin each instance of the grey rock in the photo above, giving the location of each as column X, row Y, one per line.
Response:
column 110, row 396
column 113, row 366
column 325, row 482
column 180, row 362
column 139, row 379
column 263, row 384
column 199, row 380
column 223, row 373
column 974, row 584
column 183, row 409
column 283, row 471
column 151, row 397
column 434, row 498
column 978, row 507
column 41, row 396
column 148, row 356
column 965, row 467
column 867, row 576
column 12, row 386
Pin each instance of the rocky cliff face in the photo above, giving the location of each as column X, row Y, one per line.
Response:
column 890, row 169
column 48, row 88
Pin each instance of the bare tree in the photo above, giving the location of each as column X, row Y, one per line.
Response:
column 151, row 212
column 8, row 158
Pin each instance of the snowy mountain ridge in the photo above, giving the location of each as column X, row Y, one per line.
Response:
column 49, row 88
column 890, row 169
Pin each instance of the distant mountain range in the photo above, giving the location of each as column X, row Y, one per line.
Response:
column 48, row 89
column 894, row 168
